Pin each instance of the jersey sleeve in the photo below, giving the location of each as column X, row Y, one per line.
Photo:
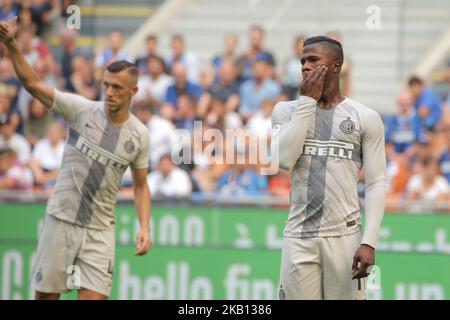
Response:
column 69, row 105
column 374, row 162
column 143, row 157
column 289, row 130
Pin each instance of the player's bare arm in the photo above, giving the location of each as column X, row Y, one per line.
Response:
column 29, row 78
column 142, row 203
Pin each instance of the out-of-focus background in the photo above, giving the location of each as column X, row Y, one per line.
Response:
column 217, row 228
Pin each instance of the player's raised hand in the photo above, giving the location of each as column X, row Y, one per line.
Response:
column 8, row 30
column 362, row 260
column 312, row 85
column 143, row 242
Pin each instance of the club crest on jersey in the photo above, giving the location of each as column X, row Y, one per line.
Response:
column 347, row 126
column 129, row 146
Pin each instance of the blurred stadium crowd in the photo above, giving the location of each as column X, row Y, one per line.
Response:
column 237, row 91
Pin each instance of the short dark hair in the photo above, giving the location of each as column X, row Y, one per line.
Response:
column 258, row 28
column 151, row 36
column 116, row 30
column 429, row 161
column 178, row 36
column 118, row 66
column 157, row 58
column 414, row 80
column 7, row 151
column 190, row 98
column 332, row 44
column 165, row 156
column 143, row 106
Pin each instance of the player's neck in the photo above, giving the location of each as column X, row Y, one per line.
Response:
column 118, row 117
column 331, row 97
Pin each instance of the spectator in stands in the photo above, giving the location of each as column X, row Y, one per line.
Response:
column 188, row 59
column 38, row 121
column 404, row 129
column 13, row 174
column 8, row 10
column 45, row 68
column 47, row 156
column 112, row 52
column 261, row 87
column 227, row 88
column 9, row 138
column 428, row 185
column 229, row 53
column 426, row 102
column 161, row 131
column 292, row 75
column 209, row 162
column 186, row 113
column 256, row 50
column 154, row 84
column 82, row 81
column 9, row 114
column 9, row 84
column 26, row 19
column 151, row 45
column 346, row 69
column 181, row 86
column 398, row 172
column 169, row 181
column 65, row 4
column 40, row 12
column 68, row 51
column 260, row 123
column 27, row 45
column 217, row 116
column 207, row 75
column 444, row 158
column 241, row 179
column 280, row 184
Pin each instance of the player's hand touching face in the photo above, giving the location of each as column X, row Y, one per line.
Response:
column 315, row 67
column 313, row 82
column 143, row 242
column 8, row 31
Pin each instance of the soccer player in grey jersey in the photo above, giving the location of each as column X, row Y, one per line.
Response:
column 325, row 139
column 77, row 245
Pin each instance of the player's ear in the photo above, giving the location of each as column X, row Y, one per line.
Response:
column 337, row 66
column 134, row 90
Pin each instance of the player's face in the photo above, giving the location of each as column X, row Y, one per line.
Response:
column 119, row 88
column 313, row 56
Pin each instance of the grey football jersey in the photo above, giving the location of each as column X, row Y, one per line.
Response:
column 96, row 155
column 324, row 197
